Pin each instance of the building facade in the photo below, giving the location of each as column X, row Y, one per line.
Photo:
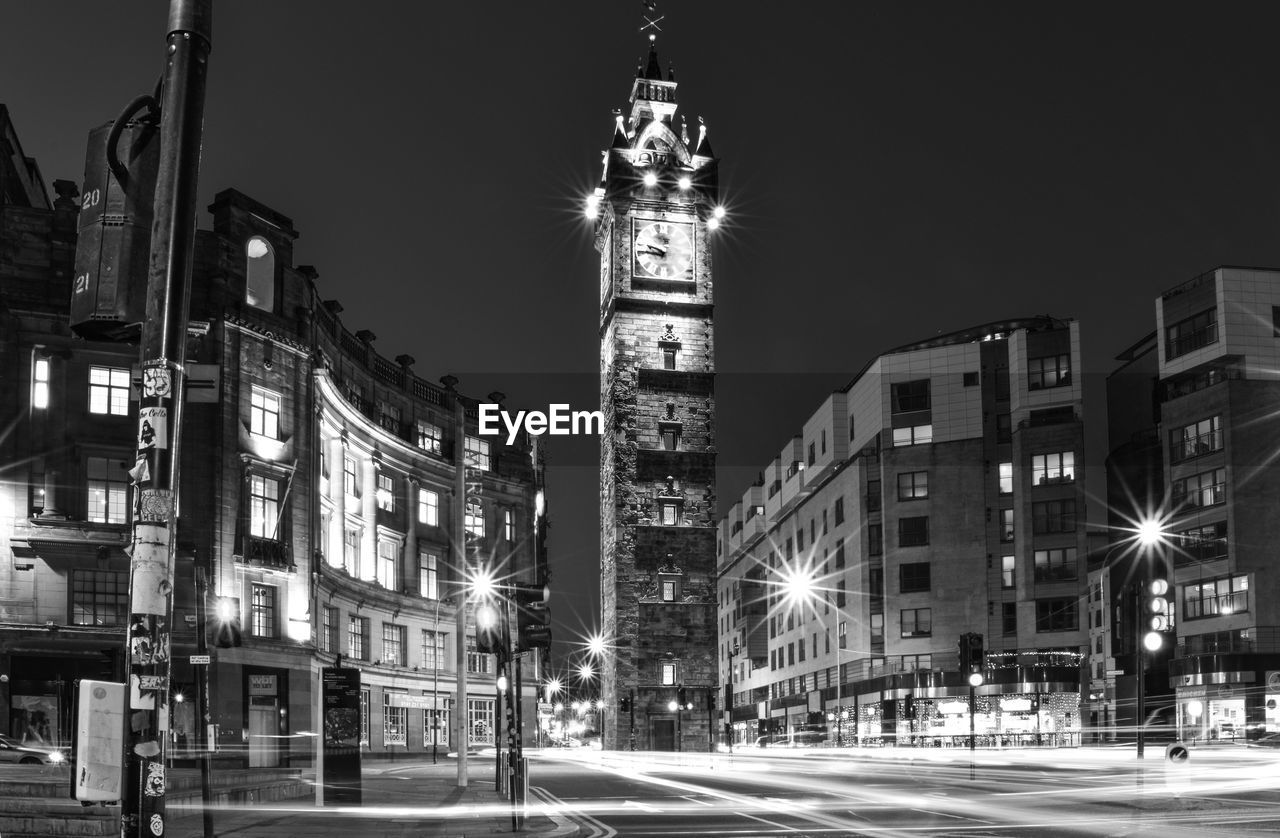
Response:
column 318, row 502
column 934, row 496
column 654, row 212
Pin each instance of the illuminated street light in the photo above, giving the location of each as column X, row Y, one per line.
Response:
column 483, row 584
column 686, row 182
column 650, row 179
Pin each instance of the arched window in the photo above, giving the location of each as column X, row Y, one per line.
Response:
column 260, row 274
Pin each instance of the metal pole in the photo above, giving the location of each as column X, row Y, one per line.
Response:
column 497, row 724
column 633, row 719
column 204, row 738
column 1140, row 658
column 460, row 559
column 435, row 678
column 972, row 735
column 156, row 472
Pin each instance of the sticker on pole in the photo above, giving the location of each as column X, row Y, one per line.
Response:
column 153, row 428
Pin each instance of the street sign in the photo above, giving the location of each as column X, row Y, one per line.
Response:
column 1115, row 672
column 200, row 659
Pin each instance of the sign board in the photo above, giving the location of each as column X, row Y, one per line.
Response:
column 98, row 771
column 200, row 659
column 262, row 684
column 1111, row 672
column 340, row 700
column 413, row 702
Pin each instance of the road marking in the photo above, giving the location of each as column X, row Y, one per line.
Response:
column 598, row 828
column 693, row 799
column 644, row 807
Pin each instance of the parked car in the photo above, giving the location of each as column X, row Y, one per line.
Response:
column 12, row 750
column 1271, row 740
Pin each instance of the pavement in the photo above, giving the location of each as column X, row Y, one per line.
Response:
column 398, row 800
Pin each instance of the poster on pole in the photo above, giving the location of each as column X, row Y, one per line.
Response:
column 340, row 709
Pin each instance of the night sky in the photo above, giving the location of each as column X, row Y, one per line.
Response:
column 892, row 171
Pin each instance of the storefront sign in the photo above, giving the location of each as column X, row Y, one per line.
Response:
column 413, row 702
column 262, row 685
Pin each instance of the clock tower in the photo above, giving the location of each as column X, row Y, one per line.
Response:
column 655, row 210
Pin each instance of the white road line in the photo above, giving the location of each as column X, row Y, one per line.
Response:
column 693, row 799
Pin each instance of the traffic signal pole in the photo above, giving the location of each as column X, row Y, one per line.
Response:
column 156, row 470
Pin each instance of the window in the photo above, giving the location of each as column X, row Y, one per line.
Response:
column 508, row 523
column 800, row 647
column 791, row 654
column 478, row 662
column 875, row 539
column 1216, row 597
column 800, row 539
column 108, row 488
column 913, row 577
column 480, row 721
column 840, row 595
column 108, row 388
column 909, row 396
column 842, row 634
column 1058, row 565
column 1006, row 525
column 1201, row 544
column 435, row 723
column 264, row 413
column 475, row 518
column 1196, row 439
column 839, row 511
column 1051, row 371
column 1193, row 333
column 389, row 417
column 1008, row 565
column 429, row 437
column 388, row 572
column 99, row 598
column 668, row 513
column 813, row 453
column 670, row 438
column 428, row 508
column 917, row 622
column 262, row 611
column 971, row 379
column 839, row 552
column 668, row 590
column 358, row 638
column 668, row 359
column 386, row 494
column 913, row 485
column 873, row 496
column 914, row 435
column 1009, row 617
column 351, row 551
column 913, row 532
column 393, row 644
column 349, row 477
column 260, row 274
column 264, row 506
column 428, row 574
column 668, row 674
column 1058, row 467
column 1056, row 615
column 395, row 720
column 1006, row 478
column 433, row 650
column 876, row 629
column 1053, row 516
column 1004, row 427
column 477, row 453
column 1204, row 489
column 40, row 385
column 329, row 639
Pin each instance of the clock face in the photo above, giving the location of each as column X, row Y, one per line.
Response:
column 663, row 250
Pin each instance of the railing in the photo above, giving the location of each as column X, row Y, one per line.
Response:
column 1195, row 446
column 1193, row 340
column 1261, row 639
column 387, row 371
column 267, row 552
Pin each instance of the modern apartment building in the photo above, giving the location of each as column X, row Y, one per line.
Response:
column 935, row 495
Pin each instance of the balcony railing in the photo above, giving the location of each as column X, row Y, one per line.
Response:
column 1193, row 340
column 267, row 552
column 1196, row 446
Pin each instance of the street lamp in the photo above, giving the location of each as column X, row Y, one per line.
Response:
column 800, row 589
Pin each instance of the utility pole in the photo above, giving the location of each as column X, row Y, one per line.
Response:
column 204, row 737
column 461, row 566
column 156, row 472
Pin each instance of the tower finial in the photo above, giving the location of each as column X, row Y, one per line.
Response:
column 651, row 19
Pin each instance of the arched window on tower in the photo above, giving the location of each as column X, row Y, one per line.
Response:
column 260, row 274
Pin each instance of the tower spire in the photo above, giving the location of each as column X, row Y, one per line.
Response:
column 650, row 26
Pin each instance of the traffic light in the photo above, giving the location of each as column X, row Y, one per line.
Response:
column 533, row 617
column 711, row 698
column 226, row 622
column 491, row 630
column 624, row 704
column 1157, row 608
column 977, row 655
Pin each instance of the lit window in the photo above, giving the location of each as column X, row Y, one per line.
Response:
column 913, row 485
column 428, row 508
column 395, row 719
column 262, row 611
column 477, row 453
column 260, row 274
column 329, row 640
column 393, row 644
column 108, row 388
column 386, row 495
column 264, row 506
column 1059, row 467
column 429, row 437
column 349, row 477
column 108, row 488
column 99, row 597
column 429, row 575
column 264, row 413
column 509, row 524
column 433, row 651
column 358, row 638
column 668, row 514
column 1051, row 371
column 917, row 622
column 1007, row 566
column 1057, row 565
column 1006, row 525
column 351, row 550
column 668, row 674
column 388, row 575
column 40, row 385
column 1006, row 478
column 915, row 435
column 475, row 519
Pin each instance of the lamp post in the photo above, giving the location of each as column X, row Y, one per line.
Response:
column 728, row 699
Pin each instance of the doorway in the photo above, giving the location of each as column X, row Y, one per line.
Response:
column 663, row 734
column 264, row 731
